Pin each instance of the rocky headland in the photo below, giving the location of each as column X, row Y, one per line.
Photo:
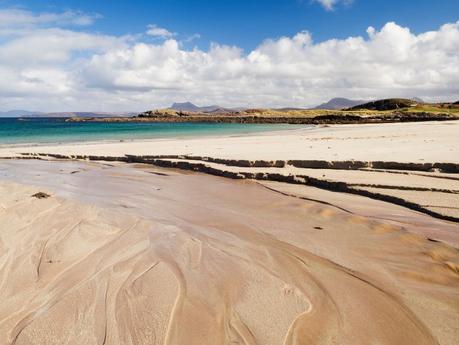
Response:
column 381, row 111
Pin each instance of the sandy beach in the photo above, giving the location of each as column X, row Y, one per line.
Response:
column 229, row 172
column 404, row 142
column 331, row 235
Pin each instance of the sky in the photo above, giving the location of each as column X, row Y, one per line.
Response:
column 137, row 55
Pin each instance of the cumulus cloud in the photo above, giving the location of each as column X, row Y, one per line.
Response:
column 156, row 31
column 53, row 46
column 61, row 69
column 292, row 70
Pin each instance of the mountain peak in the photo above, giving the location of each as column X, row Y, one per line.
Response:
column 188, row 106
column 339, row 103
column 185, row 106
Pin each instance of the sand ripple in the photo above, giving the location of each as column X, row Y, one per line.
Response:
column 205, row 266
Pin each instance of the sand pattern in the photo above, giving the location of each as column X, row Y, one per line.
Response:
column 132, row 254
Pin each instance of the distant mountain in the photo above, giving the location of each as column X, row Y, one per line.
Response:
column 339, row 103
column 210, row 108
column 223, row 111
column 87, row 114
column 26, row 113
column 82, row 114
column 18, row 113
column 386, row 104
column 417, row 99
column 289, row 109
column 188, row 106
column 456, row 102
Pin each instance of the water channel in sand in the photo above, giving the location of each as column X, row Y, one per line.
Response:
column 123, row 254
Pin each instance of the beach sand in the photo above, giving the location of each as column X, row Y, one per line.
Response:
column 404, row 142
column 118, row 253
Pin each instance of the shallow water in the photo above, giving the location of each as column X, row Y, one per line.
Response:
column 49, row 130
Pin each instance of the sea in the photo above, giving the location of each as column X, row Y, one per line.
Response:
column 16, row 131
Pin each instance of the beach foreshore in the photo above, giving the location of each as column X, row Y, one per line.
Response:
column 403, row 163
column 321, row 236
column 404, row 142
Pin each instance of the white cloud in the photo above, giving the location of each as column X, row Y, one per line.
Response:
column 14, row 18
column 192, row 38
column 390, row 62
column 53, row 46
column 329, row 5
column 156, row 31
column 62, row 69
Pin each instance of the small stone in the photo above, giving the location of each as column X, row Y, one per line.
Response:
column 41, row 195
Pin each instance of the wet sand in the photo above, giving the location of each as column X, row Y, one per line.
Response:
column 132, row 254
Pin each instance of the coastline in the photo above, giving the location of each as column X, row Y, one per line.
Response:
column 402, row 163
column 57, row 131
column 307, row 117
column 403, row 142
column 149, row 140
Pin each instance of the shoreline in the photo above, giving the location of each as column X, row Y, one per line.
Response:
column 153, row 137
column 408, row 142
column 312, row 118
column 412, row 165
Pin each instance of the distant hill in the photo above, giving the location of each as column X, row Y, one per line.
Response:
column 339, row 103
column 82, row 114
column 456, row 102
column 289, row 109
column 222, row 111
column 386, row 104
column 188, row 106
column 18, row 113
column 26, row 113
column 86, row 114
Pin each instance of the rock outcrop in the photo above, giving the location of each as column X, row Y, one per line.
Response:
column 386, row 104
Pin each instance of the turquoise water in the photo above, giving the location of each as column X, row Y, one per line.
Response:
column 47, row 130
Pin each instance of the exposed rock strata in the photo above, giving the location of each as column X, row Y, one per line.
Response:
column 240, row 169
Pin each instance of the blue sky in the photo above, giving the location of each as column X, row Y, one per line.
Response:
column 246, row 23
column 135, row 55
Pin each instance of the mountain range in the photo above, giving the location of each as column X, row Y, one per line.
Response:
column 28, row 113
column 18, row 113
column 333, row 104
column 188, row 106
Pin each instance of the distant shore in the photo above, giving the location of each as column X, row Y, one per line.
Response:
column 309, row 119
column 380, row 111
